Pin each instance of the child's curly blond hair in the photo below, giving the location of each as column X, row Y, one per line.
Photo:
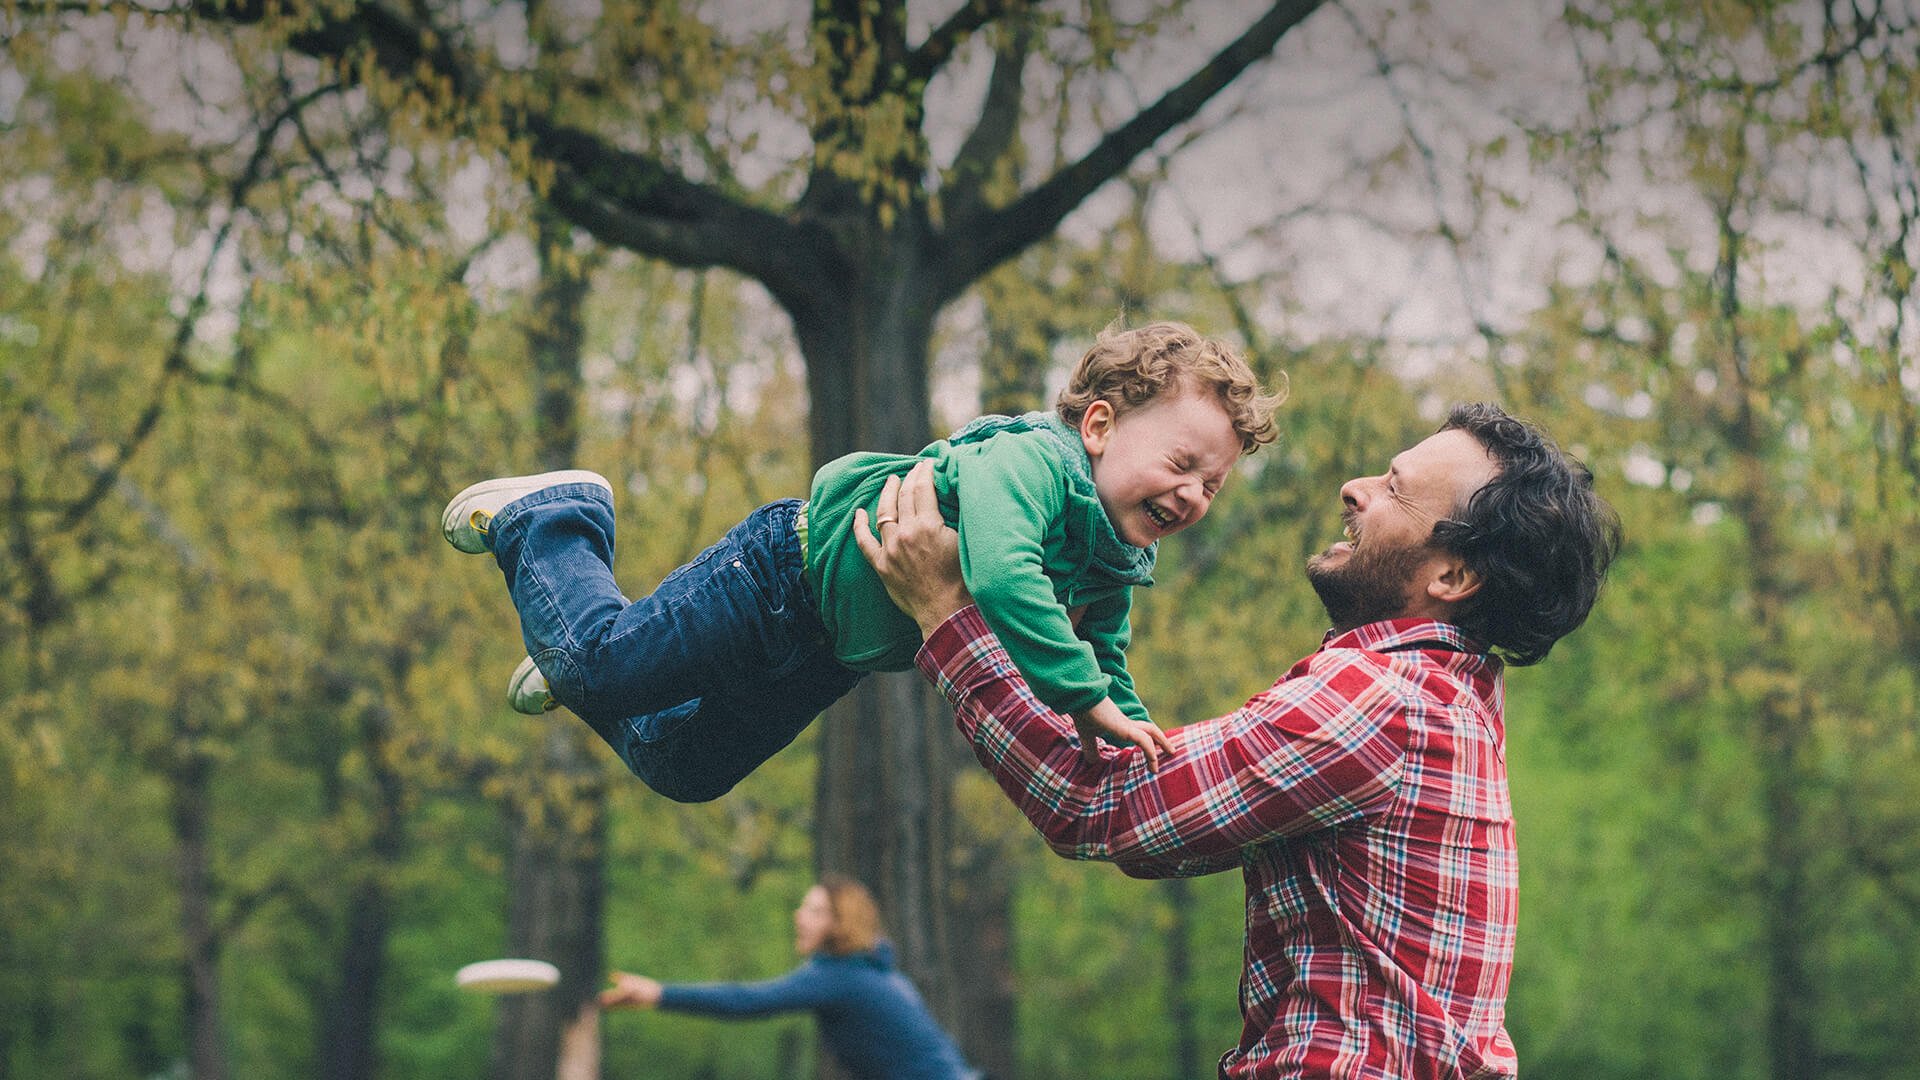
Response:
column 1128, row 368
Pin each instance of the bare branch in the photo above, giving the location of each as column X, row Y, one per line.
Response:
column 992, row 238
column 160, row 526
column 1430, row 172
column 945, row 38
column 624, row 198
column 175, row 364
column 998, row 125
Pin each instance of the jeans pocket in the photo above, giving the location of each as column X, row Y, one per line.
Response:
column 781, row 646
column 660, row 726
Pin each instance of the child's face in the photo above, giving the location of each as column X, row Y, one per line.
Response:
column 1158, row 467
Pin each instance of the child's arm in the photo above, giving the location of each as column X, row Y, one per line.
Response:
column 1106, row 721
column 1121, row 720
column 1010, row 497
column 1106, row 626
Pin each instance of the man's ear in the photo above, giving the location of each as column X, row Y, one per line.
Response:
column 1455, row 582
column 1096, row 427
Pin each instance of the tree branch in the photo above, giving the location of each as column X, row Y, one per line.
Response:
column 631, row 200
column 944, row 39
column 624, row 198
column 176, row 364
column 999, row 123
column 995, row 237
column 850, row 28
column 1384, row 66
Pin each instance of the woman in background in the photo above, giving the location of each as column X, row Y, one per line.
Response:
column 871, row 1018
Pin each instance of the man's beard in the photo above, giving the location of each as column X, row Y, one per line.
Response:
column 1369, row 586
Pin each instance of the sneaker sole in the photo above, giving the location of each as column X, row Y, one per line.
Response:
column 455, row 523
column 521, row 698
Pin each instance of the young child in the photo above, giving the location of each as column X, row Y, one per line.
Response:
column 734, row 654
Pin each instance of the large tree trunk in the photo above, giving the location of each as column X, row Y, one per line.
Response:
column 882, row 791
column 556, row 887
column 1012, row 381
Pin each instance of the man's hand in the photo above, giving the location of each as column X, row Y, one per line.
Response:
column 1106, row 719
column 630, row 992
column 916, row 556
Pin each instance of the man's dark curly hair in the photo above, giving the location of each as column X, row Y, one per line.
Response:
column 1536, row 534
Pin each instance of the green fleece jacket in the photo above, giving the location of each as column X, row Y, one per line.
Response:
column 1034, row 542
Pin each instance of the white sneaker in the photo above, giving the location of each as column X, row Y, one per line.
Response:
column 464, row 522
column 527, row 691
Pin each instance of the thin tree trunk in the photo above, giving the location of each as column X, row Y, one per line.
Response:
column 349, row 1030
column 1784, row 740
column 191, row 809
column 1187, row 1055
column 556, row 887
column 1792, row 1035
column 555, row 880
column 982, row 918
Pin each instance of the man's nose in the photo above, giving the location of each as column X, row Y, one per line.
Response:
column 1352, row 490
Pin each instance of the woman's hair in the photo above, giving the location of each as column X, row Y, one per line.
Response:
column 1129, row 368
column 856, row 918
column 1537, row 534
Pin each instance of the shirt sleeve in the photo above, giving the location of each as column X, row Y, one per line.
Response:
column 1010, row 495
column 1323, row 746
column 806, row 987
column 1107, row 629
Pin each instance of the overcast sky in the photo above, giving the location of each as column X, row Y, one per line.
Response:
column 1280, row 142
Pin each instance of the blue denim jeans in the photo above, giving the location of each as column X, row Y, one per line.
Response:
column 695, row 685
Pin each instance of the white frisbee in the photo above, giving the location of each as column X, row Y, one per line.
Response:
column 507, row 976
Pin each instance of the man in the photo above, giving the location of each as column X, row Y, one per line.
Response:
column 1363, row 796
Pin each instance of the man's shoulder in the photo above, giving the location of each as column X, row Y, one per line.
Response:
column 1400, row 657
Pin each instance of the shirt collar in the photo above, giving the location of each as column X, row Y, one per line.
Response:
column 1391, row 634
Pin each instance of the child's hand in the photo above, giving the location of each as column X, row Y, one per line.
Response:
column 1105, row 720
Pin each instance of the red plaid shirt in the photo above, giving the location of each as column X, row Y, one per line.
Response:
column 1364, row 799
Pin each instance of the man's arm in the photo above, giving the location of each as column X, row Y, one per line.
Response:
column 1321, row 747
column 1314, row 751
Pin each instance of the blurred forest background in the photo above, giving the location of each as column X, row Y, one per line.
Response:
column 280, row 277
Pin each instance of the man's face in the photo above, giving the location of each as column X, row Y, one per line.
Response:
column 1383, row 569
